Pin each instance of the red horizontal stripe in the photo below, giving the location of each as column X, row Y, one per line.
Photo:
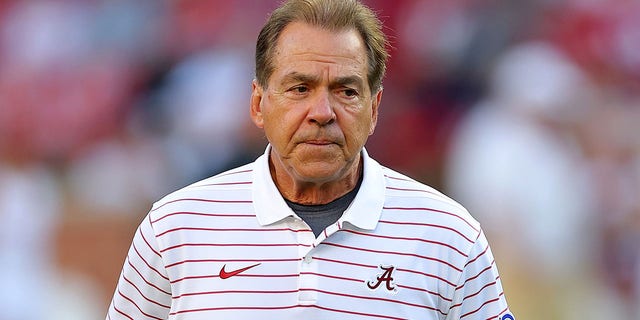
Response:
column 417, row 190
column 478, row 257
column 147, row 242
column 479, row 308
column 228, row 260
column 122, row 313
column 287, row 307
column 230, row 215
column 427, row 225
column 478, row 292
column 366, row 234
column 225, row 183
column 398, row 178
column 137, row 307
column 476, row 276
column 230, row 173
column 330, row 276
column 201, row 200
column 353, row 312
column 144, row 279
column 395, row 253
column 346, row 262
column 193, row 278
column 225, row 230
column 425, row 290
column 435, row 210
column 231, row 308
column 232, row 245
column 204, row 293
column 147, row 263
column 373, row 298
column 430, row 275
column 142, row 294
column 498, row 315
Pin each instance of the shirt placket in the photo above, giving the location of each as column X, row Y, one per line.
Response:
column 307, row 266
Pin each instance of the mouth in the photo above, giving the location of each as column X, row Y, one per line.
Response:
column 318, row 142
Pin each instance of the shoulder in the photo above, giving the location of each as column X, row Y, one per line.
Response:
column 411, row 200
column 232, row 186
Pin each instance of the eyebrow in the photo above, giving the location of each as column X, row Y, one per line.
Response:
column 337, row 82
column 300, row 77
column 349, row 80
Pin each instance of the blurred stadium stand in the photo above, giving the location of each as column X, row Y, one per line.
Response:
column 526, row 112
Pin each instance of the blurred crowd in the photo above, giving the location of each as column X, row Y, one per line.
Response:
column 526, row 112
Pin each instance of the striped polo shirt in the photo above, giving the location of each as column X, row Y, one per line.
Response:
column 229, row 247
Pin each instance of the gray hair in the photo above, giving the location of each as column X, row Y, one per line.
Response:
column 331, row 15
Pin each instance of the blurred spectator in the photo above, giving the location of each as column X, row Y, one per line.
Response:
column 612, row 150
column 29, row 207
column 203, row 108
column 105, row 105
column 516, row 165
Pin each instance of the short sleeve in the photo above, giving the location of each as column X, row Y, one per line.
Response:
column 143, row 290
column 479, row 293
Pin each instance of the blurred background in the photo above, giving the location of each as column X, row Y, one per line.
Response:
column 526, row 112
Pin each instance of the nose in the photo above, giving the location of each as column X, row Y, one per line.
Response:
column 321, row 110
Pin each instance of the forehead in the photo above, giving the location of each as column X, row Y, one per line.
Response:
column 300, row 42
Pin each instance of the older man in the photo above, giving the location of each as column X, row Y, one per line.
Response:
column 314, row 228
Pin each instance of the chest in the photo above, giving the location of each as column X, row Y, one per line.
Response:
column 244, row 269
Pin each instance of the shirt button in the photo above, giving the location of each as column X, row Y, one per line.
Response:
column 308, row 258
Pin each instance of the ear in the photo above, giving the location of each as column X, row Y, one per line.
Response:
column 255, row 111
column 375, row 103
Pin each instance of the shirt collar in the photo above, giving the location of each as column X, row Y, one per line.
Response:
column 363, row 212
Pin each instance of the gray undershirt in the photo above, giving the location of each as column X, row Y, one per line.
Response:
column 320, row 216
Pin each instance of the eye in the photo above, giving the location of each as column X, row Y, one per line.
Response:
column 350, row 92
column 299, row 89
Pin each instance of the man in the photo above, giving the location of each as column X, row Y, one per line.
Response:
column 314, row 228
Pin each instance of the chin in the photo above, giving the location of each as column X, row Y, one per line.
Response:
column 318, row 171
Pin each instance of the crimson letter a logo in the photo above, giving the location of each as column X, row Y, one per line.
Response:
column 385, row 276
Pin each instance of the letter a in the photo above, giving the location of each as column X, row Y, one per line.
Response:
column 386, row 277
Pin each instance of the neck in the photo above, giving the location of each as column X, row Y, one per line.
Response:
column 301, row 191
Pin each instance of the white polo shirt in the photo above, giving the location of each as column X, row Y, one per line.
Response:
column 229, row 247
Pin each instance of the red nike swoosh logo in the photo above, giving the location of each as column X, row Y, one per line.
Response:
column 228, row 274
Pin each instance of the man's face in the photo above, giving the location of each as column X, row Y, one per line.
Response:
column 318, row 110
